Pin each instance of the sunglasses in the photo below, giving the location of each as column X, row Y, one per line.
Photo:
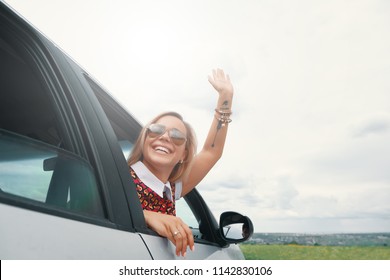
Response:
column 177, row 137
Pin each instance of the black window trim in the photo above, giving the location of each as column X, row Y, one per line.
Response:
column 30, row 42
column 120, row 196
column 98, row 94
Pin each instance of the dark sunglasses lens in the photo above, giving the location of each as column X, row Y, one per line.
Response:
column 177, row 137
column 156, row 130
column 178, row 141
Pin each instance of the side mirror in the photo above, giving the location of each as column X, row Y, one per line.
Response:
column 234, row 227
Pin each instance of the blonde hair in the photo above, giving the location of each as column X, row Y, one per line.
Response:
column 181, row 169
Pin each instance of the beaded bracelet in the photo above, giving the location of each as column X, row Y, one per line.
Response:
column 224, row 113
column 224, row 117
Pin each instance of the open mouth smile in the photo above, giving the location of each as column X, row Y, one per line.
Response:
column 162, row 149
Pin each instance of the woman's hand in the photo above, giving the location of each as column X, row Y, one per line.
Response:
column 172, row 228
column 221, row 82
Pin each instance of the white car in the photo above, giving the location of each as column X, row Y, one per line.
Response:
column 65, row 187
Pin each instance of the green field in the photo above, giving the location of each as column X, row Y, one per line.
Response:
column 304, row 252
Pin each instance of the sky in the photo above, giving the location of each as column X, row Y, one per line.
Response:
column 308, row 149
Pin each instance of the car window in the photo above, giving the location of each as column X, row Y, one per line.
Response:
column 37, row 160
column 43, row 173
column 126, row 147
column 184, row 212
column 24, row 108
column 22, row 168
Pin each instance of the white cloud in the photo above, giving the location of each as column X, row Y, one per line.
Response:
column 378, row 123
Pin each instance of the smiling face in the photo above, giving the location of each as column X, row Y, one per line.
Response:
column 160, row 154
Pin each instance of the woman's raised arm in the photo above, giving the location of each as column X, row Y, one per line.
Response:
column 213, row 147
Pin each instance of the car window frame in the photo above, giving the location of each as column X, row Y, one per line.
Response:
column 48, row 61
column 100, row 97
column 101, row 145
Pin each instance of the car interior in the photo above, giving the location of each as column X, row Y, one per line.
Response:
column 23, row 99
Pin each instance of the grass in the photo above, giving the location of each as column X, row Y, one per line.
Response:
column 304, row 252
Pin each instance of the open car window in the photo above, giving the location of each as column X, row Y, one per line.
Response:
column 38, row 162
column 184, row 212
column 34, row 170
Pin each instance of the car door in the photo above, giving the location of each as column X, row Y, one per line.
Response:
column 61, row 195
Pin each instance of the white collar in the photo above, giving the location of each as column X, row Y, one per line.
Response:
column 150, row 180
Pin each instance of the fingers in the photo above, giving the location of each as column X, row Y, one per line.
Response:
column 218, row 74
column 220, row 81
column 180, row 243
column 183, row 237
column 189, row 235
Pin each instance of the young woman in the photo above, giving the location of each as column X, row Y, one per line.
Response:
column 164, row 164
